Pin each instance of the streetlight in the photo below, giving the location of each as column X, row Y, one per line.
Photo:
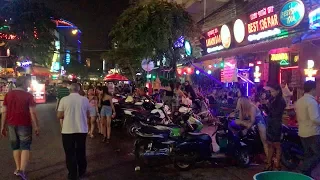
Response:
column 75, row 31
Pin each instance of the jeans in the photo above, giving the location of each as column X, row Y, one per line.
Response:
column 311, row 146
column 20, row 137
column 75, row 149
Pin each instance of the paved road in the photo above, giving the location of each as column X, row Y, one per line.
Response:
column 112, row 162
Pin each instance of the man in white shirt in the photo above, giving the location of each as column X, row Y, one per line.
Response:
column 74, row 110
column 308, row 117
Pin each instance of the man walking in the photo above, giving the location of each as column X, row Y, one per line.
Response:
column 308, row 117
column 74, row 110
column 62, row 91
column 18, row 113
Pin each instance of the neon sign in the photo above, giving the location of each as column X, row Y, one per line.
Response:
column 213, row 49
column 8, row 36
column 257, row 74
column 282, row 57
column 262, row 23
column 264, row 34
column 292, row 13
column 188, row 48
column 310, row 72
column 263, row 20
column 214, row 38
column 25, row 63
column 314, row 19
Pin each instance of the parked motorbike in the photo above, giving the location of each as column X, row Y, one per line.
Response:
column 292, row 149
column 189, row 148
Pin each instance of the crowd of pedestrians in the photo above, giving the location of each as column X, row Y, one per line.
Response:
column 87, row 113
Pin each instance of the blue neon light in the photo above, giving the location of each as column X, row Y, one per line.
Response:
column 314, row 19
column 68, row 57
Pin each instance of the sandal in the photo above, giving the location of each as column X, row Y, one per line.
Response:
column 91, row 136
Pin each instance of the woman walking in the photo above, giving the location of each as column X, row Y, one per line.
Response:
column 106, row 113
column 276, row 109
column 93, row 100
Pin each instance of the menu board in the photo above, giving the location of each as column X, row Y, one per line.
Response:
column 296, row 79
column 230, row 70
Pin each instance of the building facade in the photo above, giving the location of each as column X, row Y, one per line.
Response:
column 262, row 40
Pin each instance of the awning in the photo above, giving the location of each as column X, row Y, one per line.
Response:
column 40, row 71
column 252, row 48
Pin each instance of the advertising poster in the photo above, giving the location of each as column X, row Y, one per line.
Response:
column 38, row 91
column 230, row 70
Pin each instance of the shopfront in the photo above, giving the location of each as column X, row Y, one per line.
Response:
column 270, row 44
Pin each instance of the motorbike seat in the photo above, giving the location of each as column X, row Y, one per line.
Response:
column 198, row 137
column 151, row 135
column 142, row 114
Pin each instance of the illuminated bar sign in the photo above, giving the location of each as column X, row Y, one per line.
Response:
column 263, row 24
column 282, row 57
column 314, row 19
column 310, row 72
column 292, row 13
column 214, row 38
column 8, row 36
column 218, row 38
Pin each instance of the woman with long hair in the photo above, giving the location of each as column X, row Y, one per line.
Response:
column 250, row 114
column 93, row 100
column 178, row 95
column 107, row 112
column 275, row 112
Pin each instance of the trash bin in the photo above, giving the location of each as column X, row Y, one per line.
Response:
column 280, row 175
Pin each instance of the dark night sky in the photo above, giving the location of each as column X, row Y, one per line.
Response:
column 94, row 18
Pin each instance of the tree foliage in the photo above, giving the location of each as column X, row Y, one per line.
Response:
column 153, row 28
column 31, row 22
column 128, row 59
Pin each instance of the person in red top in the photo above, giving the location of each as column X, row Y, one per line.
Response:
column 18, row 119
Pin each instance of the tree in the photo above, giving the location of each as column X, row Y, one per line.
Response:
column 127, row 59
column 31, row 22
column 153, row 28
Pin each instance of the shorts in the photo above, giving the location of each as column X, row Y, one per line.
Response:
column 106, row 111
column 93, row 112
column 20, row 137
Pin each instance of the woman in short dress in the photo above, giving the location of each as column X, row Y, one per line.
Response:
column 275, row 112
column 107, row 112
column 93, row 100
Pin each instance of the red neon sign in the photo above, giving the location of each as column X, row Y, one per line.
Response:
column 263, row 12
column 8, row 36
column 214, row 37
column 262, row 20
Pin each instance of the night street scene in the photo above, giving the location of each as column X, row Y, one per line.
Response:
column 160, row 90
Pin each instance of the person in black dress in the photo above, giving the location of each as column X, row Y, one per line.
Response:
column 276, row 109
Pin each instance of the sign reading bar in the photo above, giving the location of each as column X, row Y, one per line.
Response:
column 263, row 20
column 292, row 13
column 263, row 24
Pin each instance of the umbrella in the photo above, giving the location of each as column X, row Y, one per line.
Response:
column 115, row 77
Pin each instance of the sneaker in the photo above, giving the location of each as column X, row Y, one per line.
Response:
column 22, row 175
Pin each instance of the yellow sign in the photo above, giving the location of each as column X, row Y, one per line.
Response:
column 279, row 57
column 310, row 72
